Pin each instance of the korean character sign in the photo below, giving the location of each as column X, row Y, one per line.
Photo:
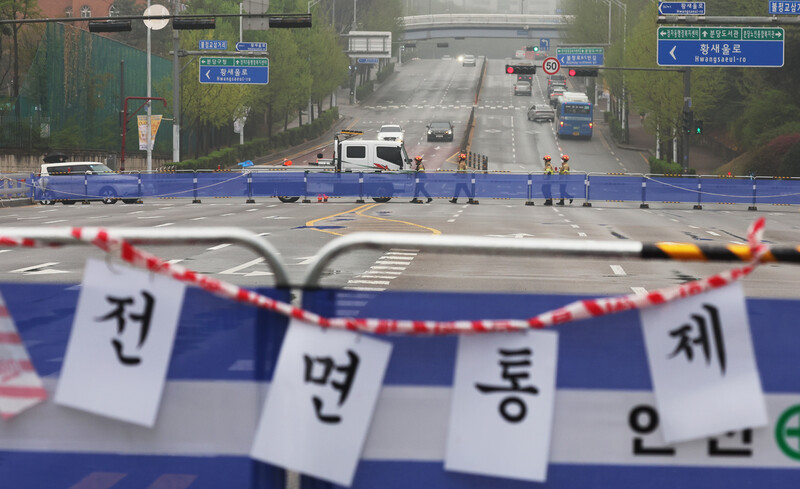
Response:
column 502, row 406
column 321, row 400
column 703, row 366
column 121, row 342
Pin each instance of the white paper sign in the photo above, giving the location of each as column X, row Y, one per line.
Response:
column 502, row 408
column 702, row 365
column 321, row 401
column 121, row 342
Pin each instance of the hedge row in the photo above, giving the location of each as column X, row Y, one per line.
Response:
column 229, row 157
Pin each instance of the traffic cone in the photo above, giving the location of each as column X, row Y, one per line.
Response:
column 319, row 197
column 324, row 198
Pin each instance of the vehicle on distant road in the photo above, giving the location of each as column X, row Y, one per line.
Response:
column 541, row 113
column 575, row 119
column 391, row 132
column 447, row 57
column 522, row 88
column 557, row 92
column 469, row 60
column 440, row 131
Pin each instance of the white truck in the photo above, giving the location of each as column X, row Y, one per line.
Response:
column 351, row 155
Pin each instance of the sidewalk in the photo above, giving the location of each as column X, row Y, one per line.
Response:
column 702, row 159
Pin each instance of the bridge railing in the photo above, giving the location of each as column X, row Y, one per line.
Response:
column 483, row 19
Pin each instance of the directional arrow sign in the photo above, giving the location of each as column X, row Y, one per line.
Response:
column 721, row 46
column 231, row 70
column 682, row 8
column 251, row 46
column 589, row 56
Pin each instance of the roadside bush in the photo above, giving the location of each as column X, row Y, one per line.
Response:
column 790, row 163
column 385, row 72
column 231, row 156
column 664, row 167
column 364, row 90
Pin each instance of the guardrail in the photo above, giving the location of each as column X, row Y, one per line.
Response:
column 291, row 185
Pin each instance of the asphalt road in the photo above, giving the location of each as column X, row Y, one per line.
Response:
column 421, row 91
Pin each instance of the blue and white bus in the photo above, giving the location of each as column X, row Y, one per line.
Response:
column 574, row 119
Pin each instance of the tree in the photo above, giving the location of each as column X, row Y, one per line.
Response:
column 16, row 9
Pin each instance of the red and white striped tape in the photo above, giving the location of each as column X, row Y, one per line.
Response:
column 20, row 386
column 571, row 312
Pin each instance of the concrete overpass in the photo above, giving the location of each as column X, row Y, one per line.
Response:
column 519, row 26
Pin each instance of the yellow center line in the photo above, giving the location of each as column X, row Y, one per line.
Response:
column 313, row 222
column 360, row 211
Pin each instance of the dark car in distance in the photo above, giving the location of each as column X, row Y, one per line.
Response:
column 440, row 131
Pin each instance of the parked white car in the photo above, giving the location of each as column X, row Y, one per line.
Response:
column 391, row 132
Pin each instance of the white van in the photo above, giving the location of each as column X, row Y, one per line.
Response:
column 82, row 181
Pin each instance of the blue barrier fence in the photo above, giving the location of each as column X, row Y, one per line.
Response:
column 697, row 190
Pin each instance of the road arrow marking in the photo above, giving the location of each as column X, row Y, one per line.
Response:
column 672, row 52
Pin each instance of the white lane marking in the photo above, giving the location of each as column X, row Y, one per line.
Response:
column 369, row 282
column 4, row 251
column 29, row 218
column 366, row 289
column 451, row 220
column 174, row 261
column 575, row 226
column 382, row 267
column 197, row 218
column 263, row 234
column 674, row 220
column 250, row 210
column 582, row 235
column 639, row 290
column 149, row 217
column 229, row 214
column 617, row 269
column 135, row 212
column 373, row 276
column 164, row 225
column 693, row 227
column 218, row 247
column 401, row 253
column 55, row 222
column 383, row 272
column 235, row 269
column 305, row 260
column 39, row 269
column 712, row 233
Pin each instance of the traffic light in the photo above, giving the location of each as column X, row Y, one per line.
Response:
column 110, row 26
column 688, row 117
column 535, row 49
column 583, row 72
column 521, row 69
column 698, row 127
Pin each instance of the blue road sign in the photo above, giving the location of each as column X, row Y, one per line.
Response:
column 213, row 45
column 544, row 44
column 721, row 46
column 231, row 70
column 367, row 61
column 580, row 56
column 251, row 46
column 784, row 8
column 682, row 8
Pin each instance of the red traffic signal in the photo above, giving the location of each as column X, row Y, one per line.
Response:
column 582, row 72
column 521, row 69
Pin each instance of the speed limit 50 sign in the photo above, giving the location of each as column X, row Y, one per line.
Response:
column 551, row 66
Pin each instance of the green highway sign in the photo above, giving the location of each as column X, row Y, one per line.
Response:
column 560, row 51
